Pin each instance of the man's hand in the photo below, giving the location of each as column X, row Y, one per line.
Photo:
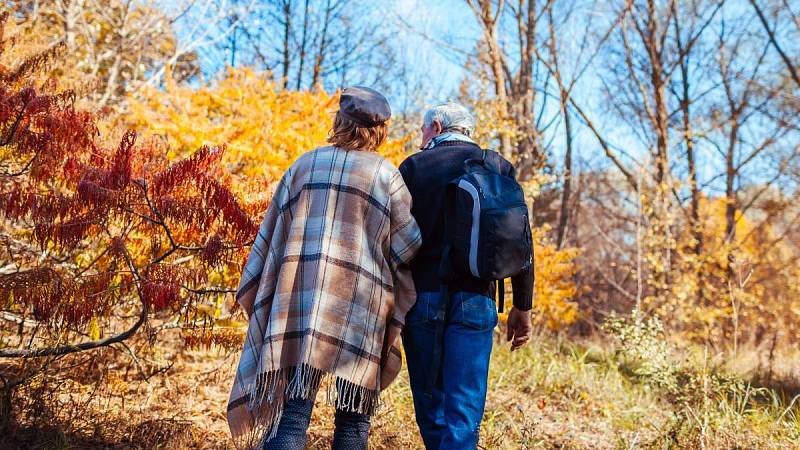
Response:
column 519, row 328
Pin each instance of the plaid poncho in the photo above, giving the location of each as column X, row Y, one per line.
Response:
column 326, row 288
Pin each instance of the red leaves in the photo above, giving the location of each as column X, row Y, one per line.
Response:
column 189, row 212
column 115, row 220
column 26, row 286
column 160, row 296
column 101, row 187
column 223, row 200
column 93, row 193
column 117, row 248
column 52, row 207
column 16, row 204
column 57, row 299
column 120, row 174
column 213, row 251
column 185, row 170
column 66, row 235
column 91, row 297
column 162, row 284
column 187, row 193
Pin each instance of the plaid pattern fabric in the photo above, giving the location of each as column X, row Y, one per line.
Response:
column 326, row 288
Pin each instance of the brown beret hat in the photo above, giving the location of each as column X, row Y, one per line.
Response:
column 364, row 106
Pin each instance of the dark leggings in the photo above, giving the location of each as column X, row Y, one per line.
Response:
column 351, row 432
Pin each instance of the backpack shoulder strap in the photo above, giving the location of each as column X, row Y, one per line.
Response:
column 493, row 160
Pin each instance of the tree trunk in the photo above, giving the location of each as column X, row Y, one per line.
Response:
column 320, row 59
column 287, row 30
column 529, row 156
column 302, row 48
column 659, row 95
column 695, row 225
column 563, row 219
column 730, row 179
column 500, row 91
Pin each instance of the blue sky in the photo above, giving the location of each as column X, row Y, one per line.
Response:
column 433, row 36
column 448, row 21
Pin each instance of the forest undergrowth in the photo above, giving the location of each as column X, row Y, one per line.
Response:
column 631, row 389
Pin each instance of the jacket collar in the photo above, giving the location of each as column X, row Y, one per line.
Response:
column 448, row 137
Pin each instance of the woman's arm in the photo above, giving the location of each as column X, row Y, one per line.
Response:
column 404, row 242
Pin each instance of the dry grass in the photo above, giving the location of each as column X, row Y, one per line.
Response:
column 553, row 394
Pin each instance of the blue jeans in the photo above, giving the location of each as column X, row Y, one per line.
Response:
column 350, row 433
column 449, row 408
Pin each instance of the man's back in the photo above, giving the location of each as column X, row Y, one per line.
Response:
column 427, row 174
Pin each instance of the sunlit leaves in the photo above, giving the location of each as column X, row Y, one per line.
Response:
column 264, row 127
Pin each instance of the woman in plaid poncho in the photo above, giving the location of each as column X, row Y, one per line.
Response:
column 326, row 287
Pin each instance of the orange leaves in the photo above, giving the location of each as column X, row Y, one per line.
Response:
column 541, row 404
column 29, row 65
column 265, row 127
column 204, row 338
column 554, row 285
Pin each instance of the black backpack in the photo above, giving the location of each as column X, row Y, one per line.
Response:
column 486, row 224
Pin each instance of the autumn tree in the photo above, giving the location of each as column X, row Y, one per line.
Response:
column 514, row 92
column 698, row 102
column 103, row 241
column 115, row 47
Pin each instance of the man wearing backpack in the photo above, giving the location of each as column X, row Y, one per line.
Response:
column 475, row 230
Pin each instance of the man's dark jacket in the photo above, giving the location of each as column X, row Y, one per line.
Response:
column 427, row 174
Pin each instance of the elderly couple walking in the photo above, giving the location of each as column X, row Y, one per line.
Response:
column 353, row 252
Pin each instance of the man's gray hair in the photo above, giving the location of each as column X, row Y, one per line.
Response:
column 452, row 116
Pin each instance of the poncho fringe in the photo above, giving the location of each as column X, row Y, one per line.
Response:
column 303, row 383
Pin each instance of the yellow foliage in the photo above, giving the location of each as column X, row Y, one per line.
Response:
column 94, row 329
column 554, row 285
column 748, row 282
column 264, row 127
